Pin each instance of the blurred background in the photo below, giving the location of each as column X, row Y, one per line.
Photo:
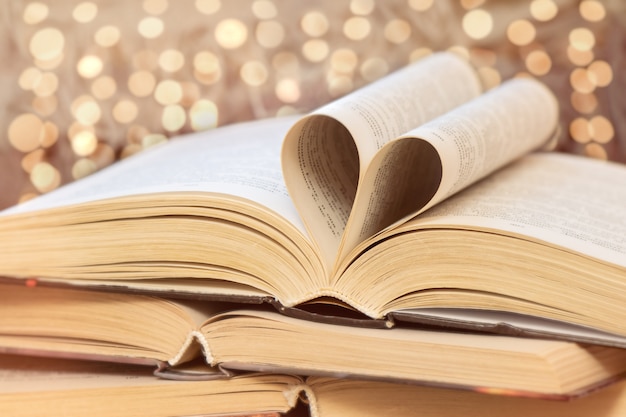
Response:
column 86, row 83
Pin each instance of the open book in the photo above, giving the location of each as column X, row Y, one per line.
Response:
column 411, row 193
column 34, row 386
column 167, row 335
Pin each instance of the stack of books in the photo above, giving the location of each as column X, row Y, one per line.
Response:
column 413, row 248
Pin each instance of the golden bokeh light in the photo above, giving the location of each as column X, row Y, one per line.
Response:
column 171, row 60
column 203, row 115
column 477, row 23
column 580, row 130
column 29, row 78
column 596, row 151
column 578, row 57
column 373, row 69
column 85, row 12
column 50, row 135
column 208, row 7
column 315, row 24
column 521, row 32
column 206, row 62
column 489, row 77
column 538, row 62
column 25, row 132
column 543, row 10
column 151, row 27
column 600, row 73
column 46, row 85
column 264, row 9
column 155, row 7
column 344, row 60
column 83, row 167
column 89, row 66
column 581, row 82
column 35, row 13
column 339, row 85
column 168, row 92
column 84, row 143
column 31, row 159
column 362, row 7
column 103, row 87
column 582, row 39
column 315, row 50
column 254, row 73
column 288, row 90
column 231, row 33
column 421, row 5
column 419, row 53
column 584, row 103
column 86, row 110
column 153, row 139
column 602, row 129
column 45, row 177
column 107, row 36
column 592, row 10
column 47, row 44
column 173, row 117
column 471, row 4
column 397, row 31
column 141, row 83
column 357, row 28
column 191, row 93
column 286, row 63
column 270, row 33
column 125, row 111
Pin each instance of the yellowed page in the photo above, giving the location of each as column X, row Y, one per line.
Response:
column 441, row 157
column 326, row 153
column 565, row 200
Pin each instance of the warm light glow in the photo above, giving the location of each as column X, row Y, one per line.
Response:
column 47, row 44
column 203, row 115
column 315, row 50
column 521, row 32
column 270, row 34
column 231, row 33
column 254, row 73
column 543, row 10
column 538, row 62
column 592, row 10
column 288, row 90
column 477, row 23
column 85, row 12
column 314, row 24
column 397, row 31
column 151, row 27
column 173, row 117
column 89, row 66
column 357, row 28
column 582, row 39
column 421, row 5
column 171, row 60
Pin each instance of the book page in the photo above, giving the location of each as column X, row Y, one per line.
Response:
column 326, row 153
column 441, row 157
column 565, row 200
column 241, row 160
